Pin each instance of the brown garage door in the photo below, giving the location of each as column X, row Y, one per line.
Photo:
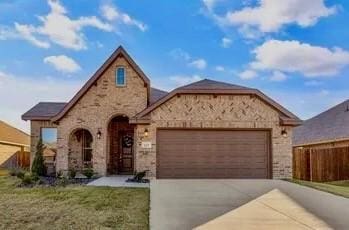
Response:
column 213, row 153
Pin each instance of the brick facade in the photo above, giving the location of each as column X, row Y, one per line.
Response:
column 95, row 110
column 104, row 100
column 208, row 111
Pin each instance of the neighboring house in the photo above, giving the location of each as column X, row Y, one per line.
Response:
column 118, row 124
column 326, row 130
column 14, row 144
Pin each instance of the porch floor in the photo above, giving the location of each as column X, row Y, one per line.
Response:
column 117, row 181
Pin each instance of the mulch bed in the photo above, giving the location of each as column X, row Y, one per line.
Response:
column 54, row 181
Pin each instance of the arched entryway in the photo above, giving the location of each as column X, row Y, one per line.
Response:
column 80, row 149
column 121, row 153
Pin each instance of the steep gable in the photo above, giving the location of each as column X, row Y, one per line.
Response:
column 119, row 52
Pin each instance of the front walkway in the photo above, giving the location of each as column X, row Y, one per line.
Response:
column 251, row 204
column 117, row 181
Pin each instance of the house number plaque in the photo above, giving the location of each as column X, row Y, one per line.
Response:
column 146, row 144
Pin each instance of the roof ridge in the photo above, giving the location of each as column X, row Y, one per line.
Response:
column 326, row 111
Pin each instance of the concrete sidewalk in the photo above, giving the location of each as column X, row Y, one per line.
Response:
column 274, row 210
column 117, row 181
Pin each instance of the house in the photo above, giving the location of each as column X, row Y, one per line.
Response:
column 14, row 147
column 118, row 124
column 327, row 130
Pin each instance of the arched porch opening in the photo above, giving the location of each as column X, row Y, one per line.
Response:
column 121, row 152
column 80, row 149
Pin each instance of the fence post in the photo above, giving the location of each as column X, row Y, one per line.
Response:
column 310, row 165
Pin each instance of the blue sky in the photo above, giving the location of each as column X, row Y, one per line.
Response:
column 297, row 52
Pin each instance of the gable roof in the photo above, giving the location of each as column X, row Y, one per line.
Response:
column 328, row 126
column 12, row 135
column 208, row 86
column 47, row 110
column 120, row 51
column 44, row 111
column 156, row 94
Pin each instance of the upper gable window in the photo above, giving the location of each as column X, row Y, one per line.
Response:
column 120, row 78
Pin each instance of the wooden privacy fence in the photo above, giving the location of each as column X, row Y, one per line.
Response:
column 20, row 159
column 321, row 165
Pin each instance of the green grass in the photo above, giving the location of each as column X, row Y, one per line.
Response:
column 340, row 188
column 72, row 207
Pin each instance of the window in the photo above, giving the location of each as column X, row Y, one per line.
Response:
column 86, row 147
column 120, row 76
column 49, row 138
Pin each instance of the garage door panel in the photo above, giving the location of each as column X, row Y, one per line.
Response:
column 212, row 154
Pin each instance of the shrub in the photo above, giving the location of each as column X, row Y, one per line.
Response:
column 88, row 172
column 72, row 173
column 62, row 181
column 20, row 174
column 38, row 166
column 27, row 179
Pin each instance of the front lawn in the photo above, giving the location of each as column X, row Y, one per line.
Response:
column 72, row 207
column 340, row 188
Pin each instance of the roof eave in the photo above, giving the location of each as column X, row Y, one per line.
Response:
column 35, row 118
column 290, row 121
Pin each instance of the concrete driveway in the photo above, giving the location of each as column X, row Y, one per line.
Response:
column 185, row 204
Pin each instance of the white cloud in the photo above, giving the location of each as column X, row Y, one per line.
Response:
column 278, row 76
column 111, row 13
column 220, row 68
column 226, row 42
column 248, row 75
column 180, row 54
column 29, row 91
column 210, row 4
column 272, row 15
column 296, row 57
column 26, row 32
column 63, row 63
column 198, row 63
column 56, row 27
column 180, row 80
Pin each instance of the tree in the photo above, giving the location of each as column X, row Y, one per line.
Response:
column 38, row 166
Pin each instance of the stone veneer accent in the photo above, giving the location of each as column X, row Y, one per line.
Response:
column 96, row 108
column 222, row 111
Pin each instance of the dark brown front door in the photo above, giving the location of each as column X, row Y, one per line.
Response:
column 121, row 135
column 206, row 153
column 126, row 152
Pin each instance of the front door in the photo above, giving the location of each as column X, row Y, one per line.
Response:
column 121, row 134
column 126, row 152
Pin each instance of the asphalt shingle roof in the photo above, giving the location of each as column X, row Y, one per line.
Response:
column 156, row 94
column 330, row 125
column 210, row 84
column 44, row 110
column 47, row 110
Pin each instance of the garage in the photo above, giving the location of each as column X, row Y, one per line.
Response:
column 208, row 153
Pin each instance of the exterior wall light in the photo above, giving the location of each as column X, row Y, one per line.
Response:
column 284, row 133
column 99, row 134
column 146, row 132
